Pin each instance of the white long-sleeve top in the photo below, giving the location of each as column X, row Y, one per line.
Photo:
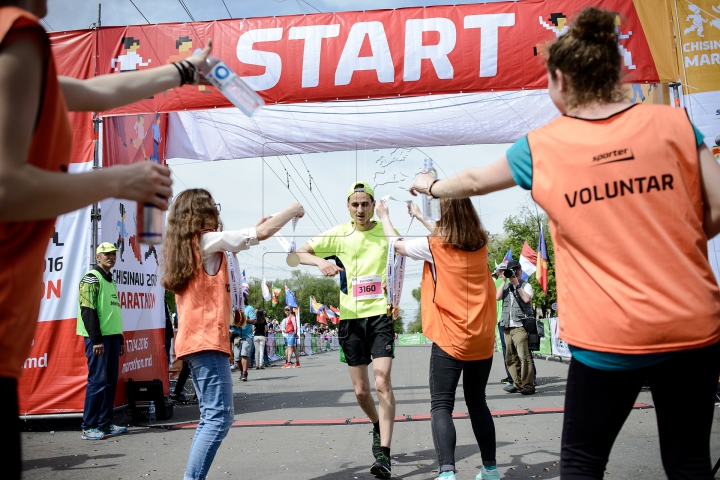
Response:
column 212, row 243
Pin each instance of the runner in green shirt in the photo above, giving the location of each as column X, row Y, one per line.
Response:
column 366, row 334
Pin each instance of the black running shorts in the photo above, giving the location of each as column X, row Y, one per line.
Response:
column 363, row 339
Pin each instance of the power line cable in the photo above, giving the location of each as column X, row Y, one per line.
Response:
column 308, row 204
column 312, row 6
column 187, row 10
column 141, row 13
column 291, row 193
column 226, row 8
column 48, row 25
column 321, row 193
column 311, row 192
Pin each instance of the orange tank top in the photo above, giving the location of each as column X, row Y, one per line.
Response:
column 624, row 199
column 23, row 244
column 204, row 312
column 458, row 306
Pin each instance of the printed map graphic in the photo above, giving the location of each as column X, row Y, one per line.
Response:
column 125, row 238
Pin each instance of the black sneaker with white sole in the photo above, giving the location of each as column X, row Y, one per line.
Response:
column 381, row 467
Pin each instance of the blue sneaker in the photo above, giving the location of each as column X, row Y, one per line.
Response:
column 446, row 476
column 92, row 434
column 114, row 430
column 484, row 474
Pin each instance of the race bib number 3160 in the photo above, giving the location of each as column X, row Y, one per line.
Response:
column 368, row 287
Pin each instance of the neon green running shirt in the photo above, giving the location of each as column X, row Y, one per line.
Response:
column 363, row 256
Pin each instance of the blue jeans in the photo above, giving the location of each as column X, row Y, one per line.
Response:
column 213, row 384
column 101, row 383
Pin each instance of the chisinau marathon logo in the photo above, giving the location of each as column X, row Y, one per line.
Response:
column 701, row 42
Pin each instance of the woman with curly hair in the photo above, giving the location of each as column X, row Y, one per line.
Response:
column 457, row 300
column 196, row 269
column 625, row 187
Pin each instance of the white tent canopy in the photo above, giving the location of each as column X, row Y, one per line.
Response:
column 433, row 120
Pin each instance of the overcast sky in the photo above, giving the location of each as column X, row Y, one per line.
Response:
column 249, row 188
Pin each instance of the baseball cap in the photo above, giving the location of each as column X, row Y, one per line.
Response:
column 106, row 247
column 360, row 187
column 499, row 267
column 514, row 264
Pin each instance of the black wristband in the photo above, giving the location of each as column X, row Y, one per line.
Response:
column 193, row 74
column 430, row 189
column 182, row 77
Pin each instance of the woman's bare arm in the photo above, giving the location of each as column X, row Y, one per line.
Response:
column 31, row 193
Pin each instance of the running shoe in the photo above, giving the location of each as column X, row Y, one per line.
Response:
column 287, row 365
column 446, row 476
column 244, row 376
column 381, row 467
column 506, row 380
column 493, row 474
column 297, row 365
column 114, row 430
column 92, row 434
column 511, row 389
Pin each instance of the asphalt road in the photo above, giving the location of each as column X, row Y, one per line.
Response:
column 528, row 445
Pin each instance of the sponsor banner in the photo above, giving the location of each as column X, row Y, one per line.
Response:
column 359, row 55
column 55, row 374
column 411, row 339
column 559, row 347
column 67, row 259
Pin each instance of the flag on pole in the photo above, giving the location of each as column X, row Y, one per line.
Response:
column 275, row 295
column 290, row 298
column 244, row 283
column 542, row 263
column 266, row 291
column 315, row 306
column 528, row 261
column 508, row 257
column 322, row 316
column 333, row 314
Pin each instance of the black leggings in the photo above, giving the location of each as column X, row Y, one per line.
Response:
column 444, row 377
column 10, row 455
column 598, row 402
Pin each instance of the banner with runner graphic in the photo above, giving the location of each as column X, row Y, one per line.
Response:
column 370, row 54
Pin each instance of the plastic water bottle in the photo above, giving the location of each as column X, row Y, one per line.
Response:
column 151, row 418
column 232, row 86
column 430, row 205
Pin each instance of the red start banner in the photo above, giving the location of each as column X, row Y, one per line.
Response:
column 356, row 55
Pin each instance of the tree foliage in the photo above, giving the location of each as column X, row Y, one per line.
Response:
column 525, row 226
column 416, row 325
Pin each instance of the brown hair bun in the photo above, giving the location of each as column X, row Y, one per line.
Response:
column 589, row 59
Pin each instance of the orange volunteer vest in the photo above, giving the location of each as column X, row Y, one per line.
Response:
column 204, row 310
column 625, row 204
column 459, row 308
column 23, row 244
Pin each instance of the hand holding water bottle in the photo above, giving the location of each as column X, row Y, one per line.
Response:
column 224, row 79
